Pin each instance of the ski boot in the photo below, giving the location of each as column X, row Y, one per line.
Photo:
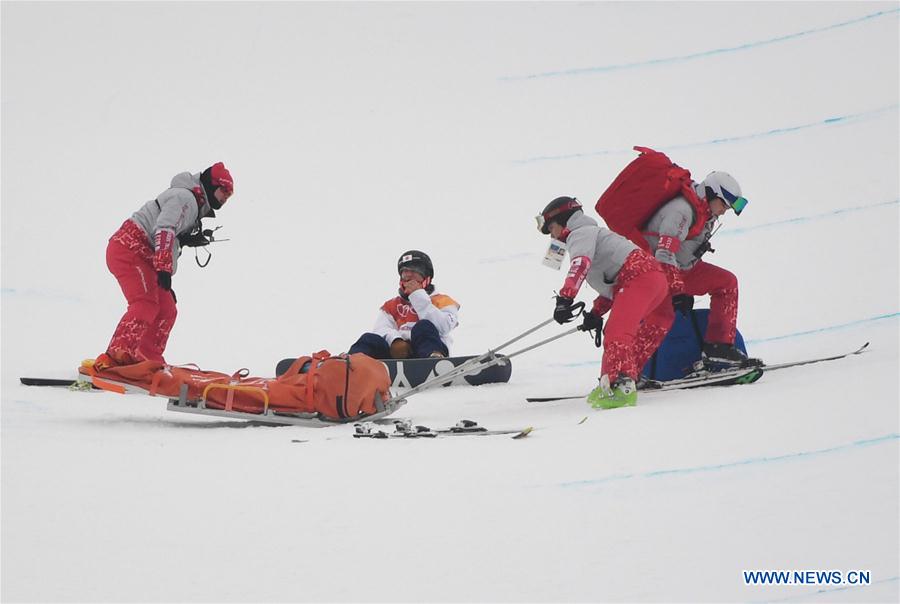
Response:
column 717, row 357
column 621, row 393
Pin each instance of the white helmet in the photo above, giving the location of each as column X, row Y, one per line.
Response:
column 725, row 187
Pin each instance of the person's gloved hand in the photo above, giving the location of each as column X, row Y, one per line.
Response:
column 193, row 240
column 592, row 321
column 563, row 313
column 164, row 279
column 683, row 303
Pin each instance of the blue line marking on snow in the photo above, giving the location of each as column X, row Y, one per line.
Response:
column 802, row 219
column 697, row 55
column 751, row 461
column 840, row 119
column 823, row 329
column 34, row 293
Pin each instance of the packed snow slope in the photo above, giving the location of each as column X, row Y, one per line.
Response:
column 357, row 131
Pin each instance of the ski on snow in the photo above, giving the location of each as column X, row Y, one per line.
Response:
column 859, row 350
column 405, row 429
column 746, row 375
column 720, row 378
column 60, row 383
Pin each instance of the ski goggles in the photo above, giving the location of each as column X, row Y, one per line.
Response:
column 734, row 202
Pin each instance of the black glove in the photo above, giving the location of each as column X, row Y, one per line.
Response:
column 683, row 303
column 193, row 240
column 174, row 298
column 164, row 279
column 592, row 321
column 564, row 312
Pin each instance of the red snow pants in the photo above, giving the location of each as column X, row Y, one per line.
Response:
column 143, row 331
column 641, row 288
column 701, row 279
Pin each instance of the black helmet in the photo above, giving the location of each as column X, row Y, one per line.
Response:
column 417, row 261
column 559, row 210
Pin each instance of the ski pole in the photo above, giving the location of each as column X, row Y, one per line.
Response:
column 533, row 346
column 502, row 359
column 488, row 359
column 491, row 352
column 467, row 366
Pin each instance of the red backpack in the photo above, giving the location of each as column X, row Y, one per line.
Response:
column 641, row 189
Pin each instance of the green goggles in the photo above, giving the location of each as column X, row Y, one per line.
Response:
column 735, row 203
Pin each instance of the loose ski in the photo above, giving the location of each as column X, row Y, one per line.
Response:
column 58, row 383
column 720, row 378
column 405, row 429
column 859, row 350
column 746, row 375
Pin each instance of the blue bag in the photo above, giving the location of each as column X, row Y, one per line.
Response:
column 677, row 354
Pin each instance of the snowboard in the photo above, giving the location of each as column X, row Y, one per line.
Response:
column 408, row 373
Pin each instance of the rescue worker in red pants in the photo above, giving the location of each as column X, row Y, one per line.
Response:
column 667, row 235
column 630, row 283
column 142, row 255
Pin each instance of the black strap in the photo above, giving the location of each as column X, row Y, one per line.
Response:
column 346, row 387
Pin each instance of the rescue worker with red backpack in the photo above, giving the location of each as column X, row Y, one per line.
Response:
column 143, row 254
column 655, row 203
column 630, row 285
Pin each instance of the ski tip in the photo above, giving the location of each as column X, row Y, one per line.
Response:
column 548, row 399
column 523, row 433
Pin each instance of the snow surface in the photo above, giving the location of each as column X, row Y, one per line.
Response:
column 356, row 131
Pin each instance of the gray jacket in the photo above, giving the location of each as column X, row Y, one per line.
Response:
column 674, row 219
column 175, row 209
column 606, row 250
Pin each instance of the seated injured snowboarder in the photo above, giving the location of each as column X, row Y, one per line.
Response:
column 631, row 286
column 667, row 233
column 142, row 255
column 415, row 324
